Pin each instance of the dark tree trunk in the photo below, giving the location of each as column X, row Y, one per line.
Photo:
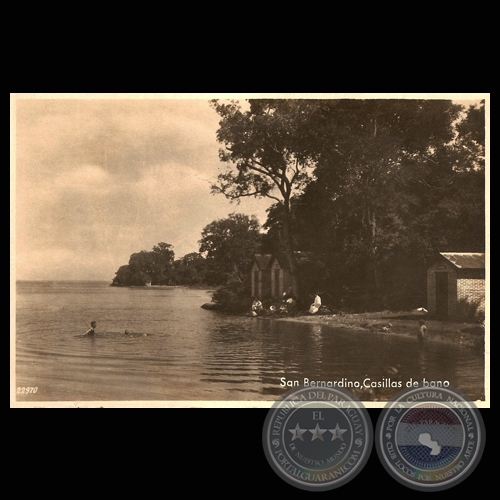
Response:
column 288, row 243
column 380, row 298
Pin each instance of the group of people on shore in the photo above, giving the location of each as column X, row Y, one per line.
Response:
column 287, row 306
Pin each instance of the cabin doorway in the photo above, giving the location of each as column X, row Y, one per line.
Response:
column 277, row 282
column 442, row 295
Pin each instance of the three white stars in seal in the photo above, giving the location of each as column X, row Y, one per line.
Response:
column 317, row 433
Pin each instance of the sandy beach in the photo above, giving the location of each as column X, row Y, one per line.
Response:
column 403, row 323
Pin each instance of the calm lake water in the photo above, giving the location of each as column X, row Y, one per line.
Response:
column 176, row 351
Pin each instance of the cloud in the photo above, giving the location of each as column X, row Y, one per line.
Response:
column 62, row 264
column 100, row 180
column 122, row 136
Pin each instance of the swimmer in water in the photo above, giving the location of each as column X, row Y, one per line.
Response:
column 91, row 330
column 127, row 332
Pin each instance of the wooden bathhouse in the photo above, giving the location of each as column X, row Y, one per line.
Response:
column 261, row 276
column 270, row 276
column 453, row 279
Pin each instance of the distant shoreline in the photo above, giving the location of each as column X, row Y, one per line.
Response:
column 62, row 281
column 109, row 282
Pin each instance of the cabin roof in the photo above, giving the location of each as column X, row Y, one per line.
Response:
column 263, row 260
column 465, row 260
column 301, row 257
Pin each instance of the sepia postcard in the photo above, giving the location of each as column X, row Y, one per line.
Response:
column 219, row 250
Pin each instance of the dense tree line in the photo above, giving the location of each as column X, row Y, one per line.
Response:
column 226, row 250
column 153, row 267
column 373, row 189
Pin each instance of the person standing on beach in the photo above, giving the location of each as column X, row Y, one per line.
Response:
column 91, row 330
column 315, row 306
column 422, row 332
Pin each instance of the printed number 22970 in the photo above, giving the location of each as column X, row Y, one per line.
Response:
column 27, row 390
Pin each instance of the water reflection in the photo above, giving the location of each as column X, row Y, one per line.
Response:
column 191, row 353
column 423, row 359
column 317, row 341
column 268, row 356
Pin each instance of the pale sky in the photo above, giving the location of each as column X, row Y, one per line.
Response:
column 96, row 179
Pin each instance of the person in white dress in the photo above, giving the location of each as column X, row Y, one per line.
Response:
column 256, row 307
column 315, row 305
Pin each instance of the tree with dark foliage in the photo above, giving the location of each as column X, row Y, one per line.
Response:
column 229, row 245
column 268, row 153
